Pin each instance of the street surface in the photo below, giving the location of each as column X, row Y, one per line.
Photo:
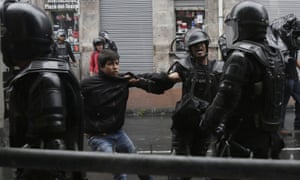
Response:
column 151, row 134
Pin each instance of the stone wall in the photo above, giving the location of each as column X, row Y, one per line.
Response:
column 89, row 23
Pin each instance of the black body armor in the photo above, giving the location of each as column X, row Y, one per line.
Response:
column 44, row 103
column 206, row 77
column 62, row 51
column 42, row 99
column 268, row 93
column 249, row 102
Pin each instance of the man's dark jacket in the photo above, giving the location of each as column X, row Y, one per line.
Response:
column 105, row 101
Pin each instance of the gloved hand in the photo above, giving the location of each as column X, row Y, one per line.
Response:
column 159, row 76
column 129, row 75
column 220, row 130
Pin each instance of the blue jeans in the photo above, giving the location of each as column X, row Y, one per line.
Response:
column 292, row 88
column 116, row 142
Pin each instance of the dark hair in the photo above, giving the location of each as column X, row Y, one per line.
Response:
column 107, row 55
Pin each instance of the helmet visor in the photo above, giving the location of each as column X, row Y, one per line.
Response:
column 231, row 32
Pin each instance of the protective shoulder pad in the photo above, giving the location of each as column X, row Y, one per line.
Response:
column 216, row 66
column 186, row 62
column 42, row 65
column 253, row 49
column 51, row 64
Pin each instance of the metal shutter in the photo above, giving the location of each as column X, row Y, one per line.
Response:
column 129, row 24
column 278, row 8
column 190, row 4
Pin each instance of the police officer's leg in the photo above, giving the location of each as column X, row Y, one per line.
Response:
column 287, row 94
column 277, row 144
column 296, row 96
column 200, row 142
column 180, row 141
column 33, row 174
column 180, row 146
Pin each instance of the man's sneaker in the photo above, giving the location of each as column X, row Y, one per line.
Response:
column 285, row 132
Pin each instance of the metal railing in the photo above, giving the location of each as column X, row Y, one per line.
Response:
column 150, row 164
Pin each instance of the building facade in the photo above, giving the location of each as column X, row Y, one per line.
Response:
column 144, row 29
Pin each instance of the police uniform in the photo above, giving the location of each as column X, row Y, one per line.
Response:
column 43, row 101
column 250, row 96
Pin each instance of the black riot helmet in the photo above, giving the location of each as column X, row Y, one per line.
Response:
column 98, row 40
column 26, row 32
column 247, row 20
column 195, row 36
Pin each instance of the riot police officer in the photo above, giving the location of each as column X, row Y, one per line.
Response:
column 109, row 44
column 62, row 48
column 284, row 32
column 199, row 78
column 43, row 103
column 188, row 139
column 250, row 96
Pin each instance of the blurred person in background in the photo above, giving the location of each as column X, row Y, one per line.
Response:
column 62, row 48
column 109, row 44
column 98, row 44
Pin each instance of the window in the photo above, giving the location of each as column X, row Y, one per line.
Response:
column 185, row 20
column 67, row 21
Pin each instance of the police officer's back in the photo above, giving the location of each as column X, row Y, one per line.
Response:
column 250, row 96
column 43, row 102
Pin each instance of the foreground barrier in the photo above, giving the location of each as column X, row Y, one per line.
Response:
column 150, row 164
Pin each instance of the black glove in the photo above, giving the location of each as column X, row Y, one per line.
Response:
column 128, row 75
column 220, row 130
column 149, row 86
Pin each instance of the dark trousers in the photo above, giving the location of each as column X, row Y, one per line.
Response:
column 193, row 142
column 292, row 88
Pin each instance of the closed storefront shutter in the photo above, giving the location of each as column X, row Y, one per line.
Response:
column 190, row 4
column 129, row 23
column 278, row 8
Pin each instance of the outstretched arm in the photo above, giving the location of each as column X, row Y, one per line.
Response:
column 155, row 83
